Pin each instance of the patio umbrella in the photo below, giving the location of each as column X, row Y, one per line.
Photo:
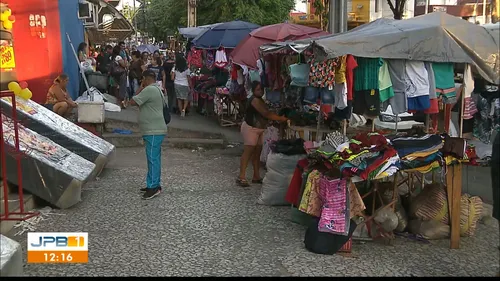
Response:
column 226, row 35
column 247, row 51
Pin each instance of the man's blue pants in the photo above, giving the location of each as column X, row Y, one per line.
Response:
column 153, row 155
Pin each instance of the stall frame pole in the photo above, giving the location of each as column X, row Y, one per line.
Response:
column 18, row 155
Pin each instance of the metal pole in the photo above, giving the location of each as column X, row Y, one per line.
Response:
column 332, row 17
column 484, row 12
column 426, row 6
column 343, row 16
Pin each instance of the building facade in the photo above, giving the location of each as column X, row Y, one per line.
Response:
column 475, row 11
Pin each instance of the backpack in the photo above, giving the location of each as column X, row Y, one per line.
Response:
column 116, row 69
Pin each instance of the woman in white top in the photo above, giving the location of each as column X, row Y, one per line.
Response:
column 182, row 82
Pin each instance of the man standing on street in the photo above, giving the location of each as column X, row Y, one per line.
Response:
column 150, row 100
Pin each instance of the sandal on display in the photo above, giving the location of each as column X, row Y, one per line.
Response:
column 242, row 182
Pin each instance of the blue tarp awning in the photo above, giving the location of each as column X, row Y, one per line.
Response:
column 227, row 35
column 192, row 32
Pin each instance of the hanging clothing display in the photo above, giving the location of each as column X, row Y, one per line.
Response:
column 340, row 95
column 195, row 58
column 220, row 58
column 340, row 70
column 468, row 87
column 417, row 90
column 311, row 203
column 433, row 99
column 351, row 64
column 210, row 59
column 366, row 100
column 335, row 217
column 445, row 81
column 385, row 84
column 322, row 73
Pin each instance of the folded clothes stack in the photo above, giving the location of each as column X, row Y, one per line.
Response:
column 366, row 156
column 420, row 154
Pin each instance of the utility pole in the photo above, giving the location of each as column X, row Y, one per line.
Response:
column 191, row 16
column 135, row 24
column 426, row 6
column 338, row 16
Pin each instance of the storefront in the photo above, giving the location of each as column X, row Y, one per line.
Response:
column 38, row 50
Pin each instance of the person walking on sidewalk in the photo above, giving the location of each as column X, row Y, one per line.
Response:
column 150, row 100
column 181, row 76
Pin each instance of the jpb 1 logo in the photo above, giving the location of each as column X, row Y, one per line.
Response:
column 59, row 241
column 57, row 247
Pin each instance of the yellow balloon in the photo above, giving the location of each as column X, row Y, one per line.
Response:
column 8, row 12
column 7, row 24
column 26, row 94
column 14, row 87
column 4, row 17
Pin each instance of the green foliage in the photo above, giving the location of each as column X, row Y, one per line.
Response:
column 165, row 16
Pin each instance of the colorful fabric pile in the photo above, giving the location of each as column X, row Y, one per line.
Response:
column 365, row 157
column 420, row 154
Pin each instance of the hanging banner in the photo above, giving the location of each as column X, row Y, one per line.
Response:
column 7, row 60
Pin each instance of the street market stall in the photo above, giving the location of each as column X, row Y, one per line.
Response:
column 407, row 66
column 208, row 60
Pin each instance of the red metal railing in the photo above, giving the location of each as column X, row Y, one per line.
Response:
column 17, row 154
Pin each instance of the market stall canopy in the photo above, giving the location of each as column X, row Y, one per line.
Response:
column 110, row 25
column 192, row 32
column 226, row 35
column 247, row 51
column 435, row 37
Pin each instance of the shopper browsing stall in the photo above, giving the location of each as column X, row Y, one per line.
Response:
column 58, row 99
column 150, row 100
column 181, row 75
column 256, row 119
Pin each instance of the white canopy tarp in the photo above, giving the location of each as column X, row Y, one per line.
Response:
column 435, row 37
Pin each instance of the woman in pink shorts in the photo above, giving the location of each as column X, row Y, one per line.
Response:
column 257, row 116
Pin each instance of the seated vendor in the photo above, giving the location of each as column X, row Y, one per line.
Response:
column 58, row 99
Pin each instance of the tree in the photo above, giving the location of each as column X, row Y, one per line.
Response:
column 398, row 8
column 322, row 10
column 164, row 16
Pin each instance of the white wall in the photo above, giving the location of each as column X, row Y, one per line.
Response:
column 300, row 7
column 385, row 11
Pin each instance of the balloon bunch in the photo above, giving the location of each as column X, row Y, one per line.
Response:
column 7, row 19
column 20, row 89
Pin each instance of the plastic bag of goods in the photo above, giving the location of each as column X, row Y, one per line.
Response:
column 280, row 170
column 470, row 212
column 387, row 219
column 431, row 230
column 430, row 204
column 270, row 135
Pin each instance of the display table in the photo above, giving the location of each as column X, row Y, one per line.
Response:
column 454, row 191
column 227, row 110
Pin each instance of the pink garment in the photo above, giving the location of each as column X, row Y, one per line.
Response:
column 333, row 193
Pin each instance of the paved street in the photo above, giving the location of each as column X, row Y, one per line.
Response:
column 203, row 224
